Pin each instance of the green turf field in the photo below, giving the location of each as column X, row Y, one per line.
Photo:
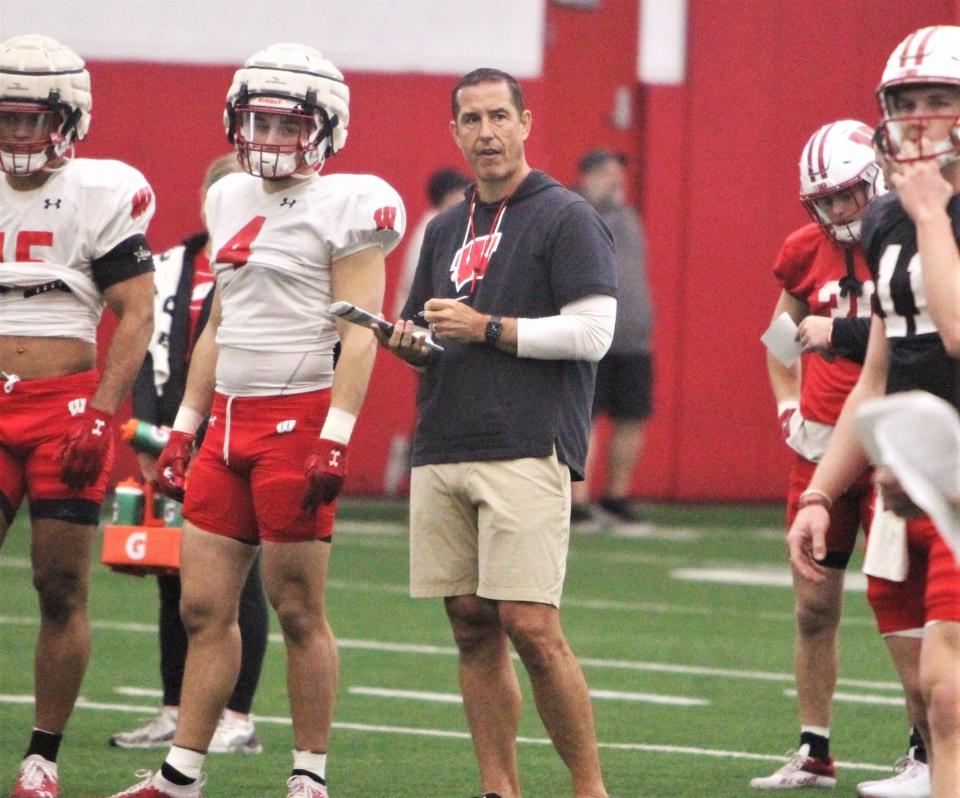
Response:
column 685, row 635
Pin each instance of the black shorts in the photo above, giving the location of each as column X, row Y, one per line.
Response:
column 624, row 386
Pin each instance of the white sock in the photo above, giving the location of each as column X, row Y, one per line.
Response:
column 185, row 761
column 820, row 731
column 310, row 762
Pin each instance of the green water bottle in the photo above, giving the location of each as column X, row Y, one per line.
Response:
column 128, row 504
column 145, row 437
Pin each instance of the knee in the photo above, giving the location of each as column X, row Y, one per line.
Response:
column 62, row 593
column 942, row 698
column 816, row 618
column 298, row 622
column 475, row 625
column 200, row 614
column 539, row 644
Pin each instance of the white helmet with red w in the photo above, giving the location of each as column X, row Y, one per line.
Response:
column 839, row 157
column 928, row 56
column 296, row 86
column 45, row 102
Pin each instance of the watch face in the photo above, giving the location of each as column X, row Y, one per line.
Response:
column 493, row 331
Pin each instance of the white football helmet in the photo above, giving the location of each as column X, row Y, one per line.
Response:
column 929, row 56
column 292, row 89
column 838, row 157
column 45, row 102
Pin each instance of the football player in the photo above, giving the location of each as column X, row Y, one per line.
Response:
column 910, row 242
column 286, row 242
column 71, row 241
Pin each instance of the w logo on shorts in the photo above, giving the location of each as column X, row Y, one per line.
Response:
column 77, row 406
column 286, row 426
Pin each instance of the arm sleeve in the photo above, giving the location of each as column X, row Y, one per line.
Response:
column 582, row 331
column 372, row 214
column 848, row 337
column 146, row 404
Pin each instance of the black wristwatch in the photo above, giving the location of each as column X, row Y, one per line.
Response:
column 493, row 330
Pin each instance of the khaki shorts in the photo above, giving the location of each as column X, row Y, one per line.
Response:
column 497, row 528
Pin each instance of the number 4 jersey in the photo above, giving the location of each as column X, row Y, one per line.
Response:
column 917, row 357
column 273, row 252
column 63, row 244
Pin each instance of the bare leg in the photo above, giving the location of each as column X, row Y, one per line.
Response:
column 623, row 450
column 905, row 653
column 212, row 574
column 60, row 555
column 940, row 681
column 818, row 610
column 295, row 576
column 580, row 491
column 491, row 691
column 559, row 688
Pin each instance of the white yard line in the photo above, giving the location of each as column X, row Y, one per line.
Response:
column 450, row 651
column 860, row 698
column 455, row 698
column 461, row 735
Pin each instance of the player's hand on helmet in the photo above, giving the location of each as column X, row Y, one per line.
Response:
column 921, row 187
column 172, row 463
column 807, row 542
column 84, row 448
column 325, row 471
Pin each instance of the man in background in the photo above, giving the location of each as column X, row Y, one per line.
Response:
column 625, row 374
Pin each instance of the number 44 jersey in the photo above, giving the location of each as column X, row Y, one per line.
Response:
column 273, row 252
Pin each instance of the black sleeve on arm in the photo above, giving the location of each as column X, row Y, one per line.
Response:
column 849, row 336
column 145, row 403
column 127, row 259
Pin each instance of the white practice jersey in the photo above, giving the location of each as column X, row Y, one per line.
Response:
column 50, row 235
column 272, row 254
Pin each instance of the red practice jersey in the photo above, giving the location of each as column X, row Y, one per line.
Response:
column 810, row 267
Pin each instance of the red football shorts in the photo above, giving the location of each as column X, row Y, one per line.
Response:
column 851, row 511
column 931, row 591
column 248, row 481
column 34, row 416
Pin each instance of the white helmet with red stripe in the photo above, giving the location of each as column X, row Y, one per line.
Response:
column 46, row 101
column 294, row 82
column 928, row 56
column 839, row 157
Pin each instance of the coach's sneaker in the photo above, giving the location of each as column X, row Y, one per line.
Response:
column 157, row 733
column 154, row 785
column 305, row 787
column 801, row 770
column 234, row 735
column 911, row 779
column 37, row 778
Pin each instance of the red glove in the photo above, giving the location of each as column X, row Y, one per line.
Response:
column 84, row 448
column 172, row 464
column 325, row 471
column 785, row 418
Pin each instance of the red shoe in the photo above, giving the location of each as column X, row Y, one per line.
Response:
column 37, row 778
column 800, row 771
column 154, row 785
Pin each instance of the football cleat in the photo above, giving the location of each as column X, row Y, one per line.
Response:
column 304, row 787
column 234, row 735
column 158, row 733
column 911, row 779
column 801, row 770
column 37, row 778
column 154, row 785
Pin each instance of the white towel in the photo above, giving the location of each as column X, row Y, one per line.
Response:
column 886, row 555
